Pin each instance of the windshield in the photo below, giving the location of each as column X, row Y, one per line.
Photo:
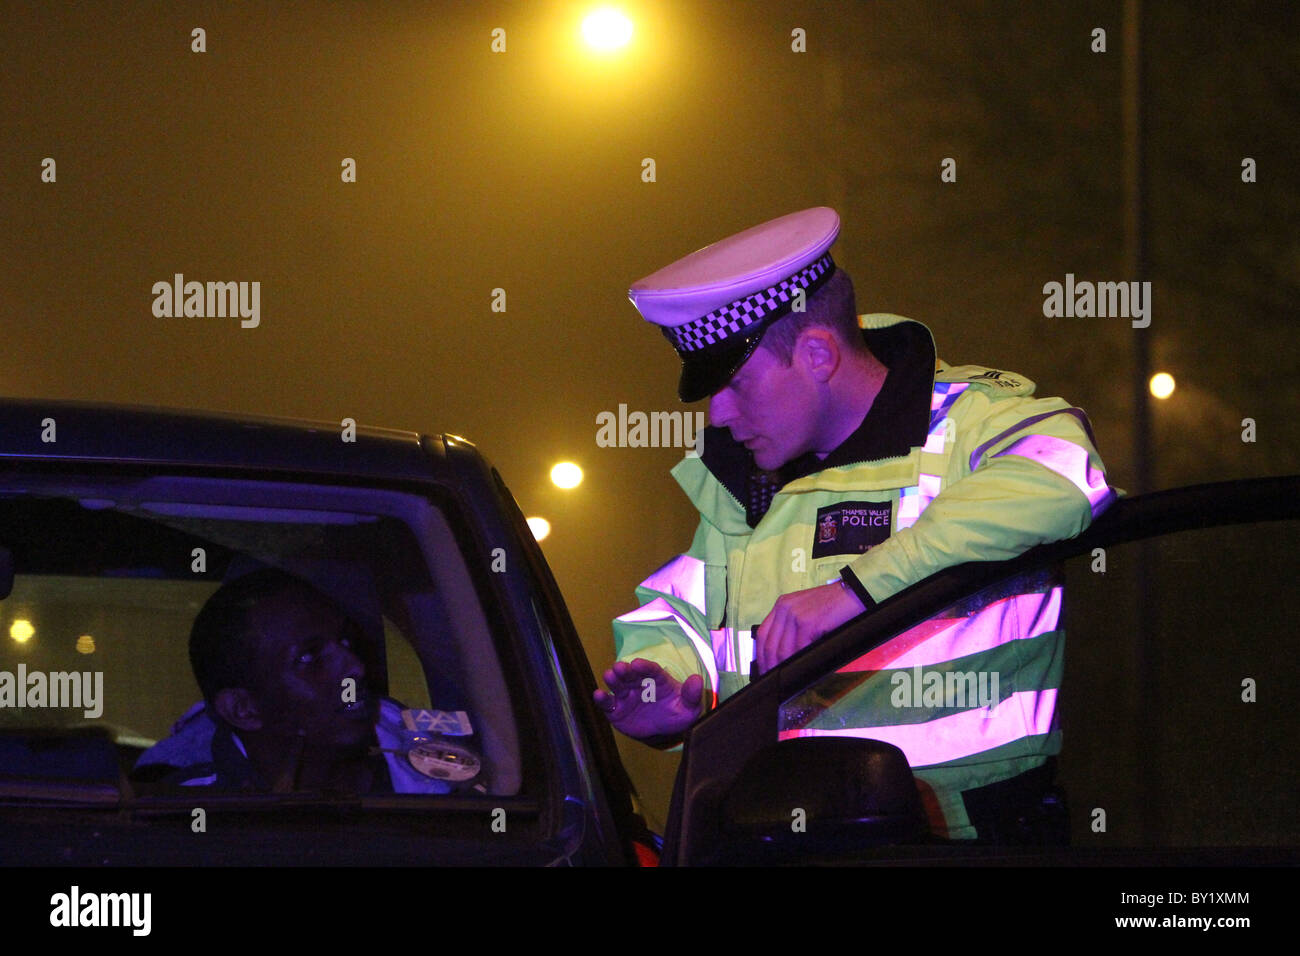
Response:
column 172, row 632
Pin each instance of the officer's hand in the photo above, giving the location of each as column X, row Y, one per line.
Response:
column 645, row 701
column 799, row 618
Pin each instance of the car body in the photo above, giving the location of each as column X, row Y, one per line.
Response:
column 118, row 524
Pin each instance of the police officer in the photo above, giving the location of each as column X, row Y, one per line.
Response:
column 844, row 462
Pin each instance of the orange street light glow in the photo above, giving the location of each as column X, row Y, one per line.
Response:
column 1162, row 385
column 566, row 475
column 21, row 630
column 540, row 527
column 606, row 29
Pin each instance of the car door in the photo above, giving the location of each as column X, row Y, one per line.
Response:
column 1180, row 618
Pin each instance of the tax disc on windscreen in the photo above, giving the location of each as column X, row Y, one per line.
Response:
column 453, row 723
column 444, row 761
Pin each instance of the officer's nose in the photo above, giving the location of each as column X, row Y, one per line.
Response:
column 722, row 408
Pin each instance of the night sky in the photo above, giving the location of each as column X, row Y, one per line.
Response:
column 522, row 171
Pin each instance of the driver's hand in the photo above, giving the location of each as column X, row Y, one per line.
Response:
column 645, row 701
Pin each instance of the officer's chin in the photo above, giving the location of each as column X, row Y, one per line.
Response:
column 768, row 460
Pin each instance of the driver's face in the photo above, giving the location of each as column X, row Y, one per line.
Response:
column 306, row 654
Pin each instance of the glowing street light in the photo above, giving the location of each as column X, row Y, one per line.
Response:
column 1162, row 385
column 21, row 630
column 566, row 475
column 540, row 527
column 606, row 29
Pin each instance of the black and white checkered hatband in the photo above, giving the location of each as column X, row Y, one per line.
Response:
column 761, row 307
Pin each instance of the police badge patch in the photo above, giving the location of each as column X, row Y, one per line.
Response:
column 851, row 527
column 826, row 529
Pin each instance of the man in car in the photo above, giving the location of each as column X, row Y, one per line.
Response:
column 844, row 462
column 277, row 664
column 286, row 702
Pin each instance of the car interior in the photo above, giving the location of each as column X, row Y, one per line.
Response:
column 101, row 578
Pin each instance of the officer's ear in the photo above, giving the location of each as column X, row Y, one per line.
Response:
column 238, row 708
column 818, row 351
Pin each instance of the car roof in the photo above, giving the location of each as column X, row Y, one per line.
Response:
column 146, row 435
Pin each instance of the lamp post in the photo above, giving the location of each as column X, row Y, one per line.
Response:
column 1147, row 706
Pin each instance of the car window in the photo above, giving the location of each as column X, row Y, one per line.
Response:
column 1174, row 713
column 98, row 678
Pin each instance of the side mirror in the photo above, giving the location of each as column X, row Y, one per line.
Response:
column 6, row 572
column 820, row 797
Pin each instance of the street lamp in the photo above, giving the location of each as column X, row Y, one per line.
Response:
column 1162, row 385
column 566, row 475
column 21, row 630
column 606, row 29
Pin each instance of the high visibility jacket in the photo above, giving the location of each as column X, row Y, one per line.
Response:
column 952, row 464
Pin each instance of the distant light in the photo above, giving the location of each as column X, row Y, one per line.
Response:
column 1162, row 385
column 566, row 475
column 21, row 630
column 85, row 644
column 606, row 29
column 540, row 527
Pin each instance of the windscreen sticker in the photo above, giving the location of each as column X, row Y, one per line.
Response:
column 452, row 723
